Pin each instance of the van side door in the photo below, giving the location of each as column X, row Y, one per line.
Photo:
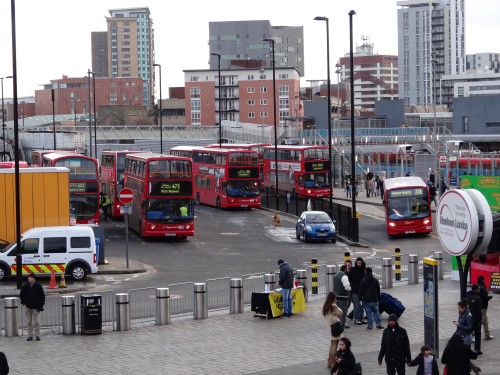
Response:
column 55, row 252
column 30, row 248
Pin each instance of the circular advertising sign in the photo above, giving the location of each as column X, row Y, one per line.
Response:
column 458, row 222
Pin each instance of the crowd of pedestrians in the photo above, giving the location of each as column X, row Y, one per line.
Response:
column 356, row 285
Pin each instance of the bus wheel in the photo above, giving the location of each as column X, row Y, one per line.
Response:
column 197, row 199
column 217, row 203
column 4, row 272
column 78, row 272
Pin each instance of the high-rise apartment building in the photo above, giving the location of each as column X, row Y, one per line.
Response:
column 129, row 47
column 483, row 61
column 240, row 45
column 375, row 76
column 431, row 43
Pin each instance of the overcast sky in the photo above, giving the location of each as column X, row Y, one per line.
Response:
column 53, row 36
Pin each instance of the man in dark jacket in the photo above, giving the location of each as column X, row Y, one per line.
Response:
column 341, row 287
column 4, row 365
column 395, row 347
column 33, row 298
column 286, row 284
column 356, row 274
column 369, row 293
column 475, row 307
column 485, row 299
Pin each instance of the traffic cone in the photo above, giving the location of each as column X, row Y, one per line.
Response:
column 62, row 284
column 52, row 282
column 278, row 221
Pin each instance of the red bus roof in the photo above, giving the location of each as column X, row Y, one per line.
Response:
column 148, row 156
column 12, row 164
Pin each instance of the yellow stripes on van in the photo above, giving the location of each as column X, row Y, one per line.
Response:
column 40, row 268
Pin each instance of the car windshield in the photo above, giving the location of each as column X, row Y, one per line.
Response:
column 318, row 218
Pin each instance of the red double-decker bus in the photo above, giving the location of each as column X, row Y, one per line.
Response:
column 12, row 164
column 112, row 170
column 407, row 206
column 227, row 178
column 163, row 195
column 83, row 184
column 303, row 170
column 184, row 151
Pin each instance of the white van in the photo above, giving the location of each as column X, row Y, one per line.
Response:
column 70, row 250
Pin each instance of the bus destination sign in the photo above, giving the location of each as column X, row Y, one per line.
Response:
column 82, row 187
column 410, row 192
column 243, row 173
column 317, row 166
column 171, row 188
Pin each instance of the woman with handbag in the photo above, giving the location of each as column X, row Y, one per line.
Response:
column 332, row 315
column 345, row 363
column 456, row 356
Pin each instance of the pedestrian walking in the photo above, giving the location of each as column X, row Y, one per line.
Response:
column 345, row 362
column 432, row 178
column 286, row 284
column 33, row 298
column 355, row 276
column 395, row 347
column 485, row 299
column 348, row 189
column 342, row 288
column 369, row 293
column 4, row 365
column 426, row 362
column 475, row 308
column 432, row 193
column 464, row 323
column 332, row 314
column 457, row 357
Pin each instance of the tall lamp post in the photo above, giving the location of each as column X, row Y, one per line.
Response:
column 434, row 61
column 90, row 114
column 355, row 223
column 161, row 110
column 337, row 72
column 95, row 114
column 275, row 125
column 3, row 120
column 330, row 182
column 53, row 119
column 220, row 99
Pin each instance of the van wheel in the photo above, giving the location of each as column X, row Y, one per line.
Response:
column 4, row 272
column 78, row 272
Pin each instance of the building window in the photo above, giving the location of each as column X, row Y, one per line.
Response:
column 251, row 102
column 251, row 114
column 194, row 92
column 263, row 89
column 195, row 78
column 263, row 101
column 250, row 77
column 250, row 90
column 263, row 114
column 195, row 105
column 195, row 118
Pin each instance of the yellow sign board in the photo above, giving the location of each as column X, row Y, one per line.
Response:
column 298, row 302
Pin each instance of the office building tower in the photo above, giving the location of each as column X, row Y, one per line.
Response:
column 431, row 43
column 240, row 45
column 99, row 42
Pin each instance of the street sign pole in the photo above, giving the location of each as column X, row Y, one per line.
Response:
column 126, row 231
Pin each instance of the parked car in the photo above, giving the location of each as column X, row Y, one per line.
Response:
column 315, row 225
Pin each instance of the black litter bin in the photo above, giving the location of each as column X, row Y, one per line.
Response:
column 91, row 314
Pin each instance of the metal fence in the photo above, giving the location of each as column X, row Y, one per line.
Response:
column 143, row 301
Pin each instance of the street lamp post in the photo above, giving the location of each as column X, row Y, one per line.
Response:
column 3, row 120
column 220, row 82
column 330, row 182
column 53, row 119
column 161, row 110
column 275, row 125
column 355, row 223
column 339, row 101
column 434, row 56
column 90, row 114
column 95, row 114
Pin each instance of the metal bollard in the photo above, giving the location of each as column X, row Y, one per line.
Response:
column 331, row 270
column 200, row 301
column 438, row 255
column 269, row 282
column 11, row 309
column 68, row 315
column 302, row 278
column 314, row 275
column 122, row 312
column 397, row 263
column 387, row 273
column 236, row 296
column 412, row 269
column 162, row 306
